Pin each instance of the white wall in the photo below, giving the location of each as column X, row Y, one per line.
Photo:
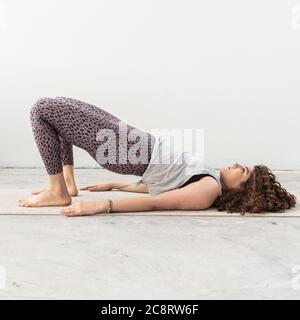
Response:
column 231, row 67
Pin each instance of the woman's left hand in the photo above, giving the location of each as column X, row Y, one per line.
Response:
column 83, row 208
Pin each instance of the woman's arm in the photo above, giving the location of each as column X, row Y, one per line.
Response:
column 84, row 208
column 195, row 196
column 122, row 186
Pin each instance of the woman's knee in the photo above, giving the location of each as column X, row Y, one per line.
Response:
column 39, row 106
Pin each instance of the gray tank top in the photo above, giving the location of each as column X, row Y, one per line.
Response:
column 170, row 167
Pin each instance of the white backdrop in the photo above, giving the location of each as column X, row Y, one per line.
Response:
column 231, row 67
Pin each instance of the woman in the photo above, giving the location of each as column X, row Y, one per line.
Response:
column 183, row 183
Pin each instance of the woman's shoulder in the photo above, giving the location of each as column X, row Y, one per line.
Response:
column 210, row 185
column 202, row 193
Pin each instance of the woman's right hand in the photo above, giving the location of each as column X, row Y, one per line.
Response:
column 106, row 186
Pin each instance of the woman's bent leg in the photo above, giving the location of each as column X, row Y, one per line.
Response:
column 59, row 123
column 79, row 124
column 55, row 152
column 66, row 152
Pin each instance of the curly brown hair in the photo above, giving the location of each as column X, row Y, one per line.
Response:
column 260, row 193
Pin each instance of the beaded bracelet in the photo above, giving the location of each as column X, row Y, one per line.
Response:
column 109, row 209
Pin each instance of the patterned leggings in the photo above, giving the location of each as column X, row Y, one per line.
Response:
column 59, row 123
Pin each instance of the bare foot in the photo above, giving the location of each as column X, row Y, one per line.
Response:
column 72, row 189
column 47, row 198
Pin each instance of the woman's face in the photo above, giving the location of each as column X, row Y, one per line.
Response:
column 233, row 176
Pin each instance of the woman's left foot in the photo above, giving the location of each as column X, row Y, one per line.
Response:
column 47, row 198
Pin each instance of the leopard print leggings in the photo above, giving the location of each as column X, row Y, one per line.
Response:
column 59, row 123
